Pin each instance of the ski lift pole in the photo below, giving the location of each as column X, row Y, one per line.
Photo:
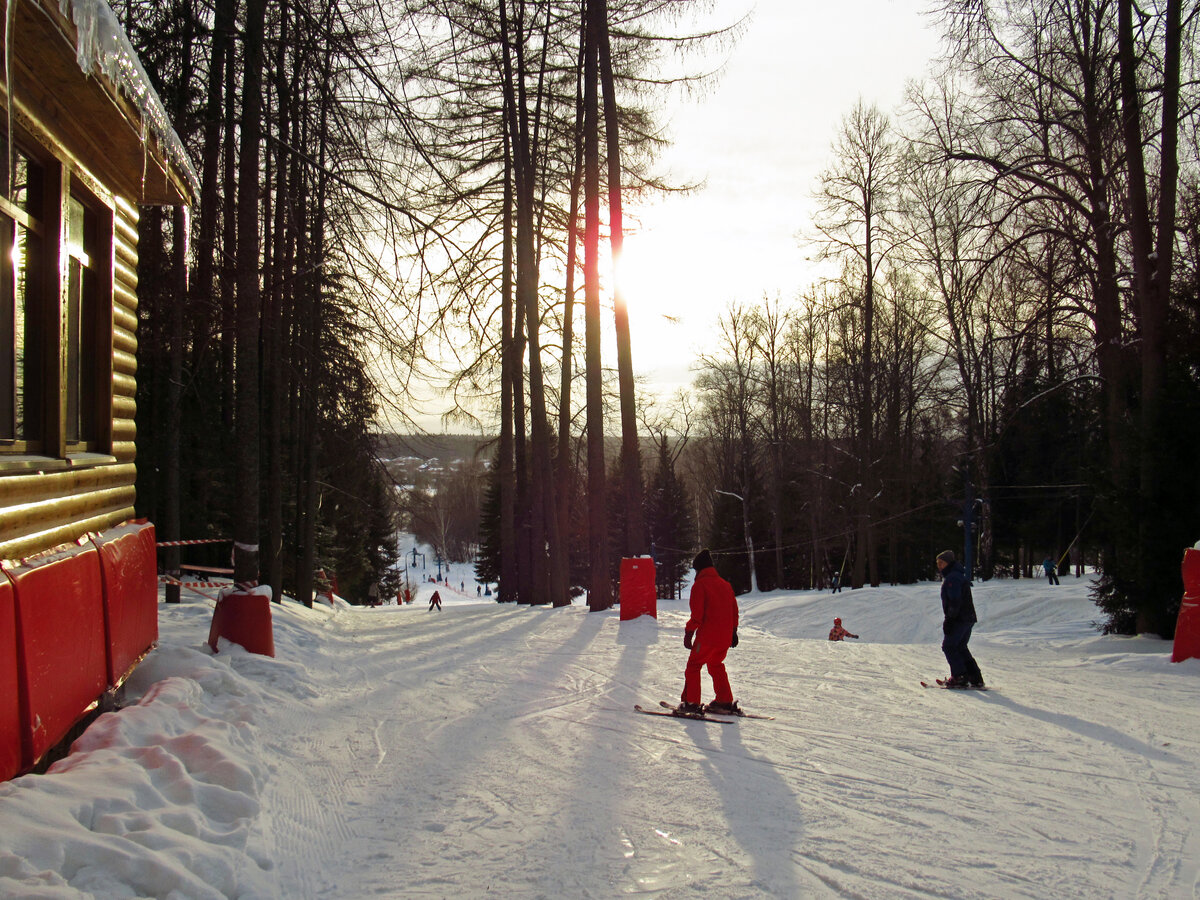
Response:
column 967, row 524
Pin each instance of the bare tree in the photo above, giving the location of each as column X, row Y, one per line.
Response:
column 855, row 221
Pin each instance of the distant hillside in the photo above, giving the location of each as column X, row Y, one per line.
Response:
column 446, row 447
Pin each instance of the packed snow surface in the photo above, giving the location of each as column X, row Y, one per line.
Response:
column 493, row 750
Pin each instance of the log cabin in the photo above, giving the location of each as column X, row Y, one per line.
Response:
column 85, row 142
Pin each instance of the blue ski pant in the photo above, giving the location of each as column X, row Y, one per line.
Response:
column 954, row 645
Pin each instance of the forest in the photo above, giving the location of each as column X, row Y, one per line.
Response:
column 1004, row 359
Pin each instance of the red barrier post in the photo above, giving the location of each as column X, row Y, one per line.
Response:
column 244, row 617
column 1187, row 626
column 638, row 593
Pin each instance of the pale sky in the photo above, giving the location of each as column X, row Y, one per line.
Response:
column 759, row 140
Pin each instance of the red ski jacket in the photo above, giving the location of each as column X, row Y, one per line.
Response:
column 714, row 611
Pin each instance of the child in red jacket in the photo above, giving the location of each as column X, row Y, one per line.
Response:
column 837, row 632
column 709, row 633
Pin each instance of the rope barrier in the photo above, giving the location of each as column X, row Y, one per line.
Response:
column 189, row 543
column 167, row 579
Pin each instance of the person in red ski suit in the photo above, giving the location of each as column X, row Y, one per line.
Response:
column 709, row 633
column 435, row 600
column 837, row 632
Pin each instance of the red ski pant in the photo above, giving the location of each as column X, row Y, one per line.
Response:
column 714, row 658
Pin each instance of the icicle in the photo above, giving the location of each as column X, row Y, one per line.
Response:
column 103, row 46
column 145, row 156
column 187, row 248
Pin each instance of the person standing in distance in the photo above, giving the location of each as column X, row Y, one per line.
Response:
column 709, row 633
column 958, row 607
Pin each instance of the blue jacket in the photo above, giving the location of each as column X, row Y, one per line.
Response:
column 957, row 604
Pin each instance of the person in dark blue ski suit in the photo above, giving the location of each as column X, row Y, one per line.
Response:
column 958, row 608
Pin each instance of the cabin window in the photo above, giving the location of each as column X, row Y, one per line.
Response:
column 22, row 347
column 81, row 338
column 56, row 322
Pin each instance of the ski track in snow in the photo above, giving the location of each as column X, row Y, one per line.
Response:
column 493, row 750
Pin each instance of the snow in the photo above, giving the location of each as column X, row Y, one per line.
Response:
column 493, row 749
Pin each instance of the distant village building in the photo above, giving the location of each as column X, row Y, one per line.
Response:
column 85, row 142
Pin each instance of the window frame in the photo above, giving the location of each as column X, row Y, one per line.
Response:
column 50, row 442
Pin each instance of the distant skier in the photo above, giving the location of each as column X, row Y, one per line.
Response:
column 958, row 607
column 837, row 632
column 709, row 633
column 1051, row 570
column 435, row 600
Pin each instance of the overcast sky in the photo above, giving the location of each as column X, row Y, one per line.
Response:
column 759, row 141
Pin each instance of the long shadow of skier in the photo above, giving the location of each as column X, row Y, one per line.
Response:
column 763, row 813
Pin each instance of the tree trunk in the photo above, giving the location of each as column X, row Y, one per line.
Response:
column 173, row 501
column 507, row 591
column 246, row 495
column 600, row 592
column 565, row 481
column 631, row 460
column 1152, row 263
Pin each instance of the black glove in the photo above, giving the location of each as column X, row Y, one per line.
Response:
column 687, row 639
column 733, row 640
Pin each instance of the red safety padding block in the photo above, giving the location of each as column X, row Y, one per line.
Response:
column 12, row 760
column 1187, row 626
column 60, row 624
column 639, row 595
column 244, row 618
column 128, row 568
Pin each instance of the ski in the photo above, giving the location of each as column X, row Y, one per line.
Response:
column 739, row 714
column 674, row 714
column 941, row 683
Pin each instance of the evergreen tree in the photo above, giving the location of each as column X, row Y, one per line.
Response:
column 487, row 560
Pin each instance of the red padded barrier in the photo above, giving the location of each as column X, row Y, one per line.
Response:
column 128, row 568
column 1187, row 626
column 639, row 595
column 11, row 759
column 60, row 620
column 244, row 618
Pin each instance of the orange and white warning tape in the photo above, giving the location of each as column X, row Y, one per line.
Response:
column 188, row 543
column 167, row 579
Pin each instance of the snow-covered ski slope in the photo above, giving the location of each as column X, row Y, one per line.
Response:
column 490, row 750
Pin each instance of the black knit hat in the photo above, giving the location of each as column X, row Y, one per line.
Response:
column 703, row 560
column 946, row 556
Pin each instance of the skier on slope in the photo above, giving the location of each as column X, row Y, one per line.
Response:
column 709, row 633
column 435, row 600
column 959, row 611
column 837, row 632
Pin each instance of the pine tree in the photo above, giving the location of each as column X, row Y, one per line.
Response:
column 487, row 561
